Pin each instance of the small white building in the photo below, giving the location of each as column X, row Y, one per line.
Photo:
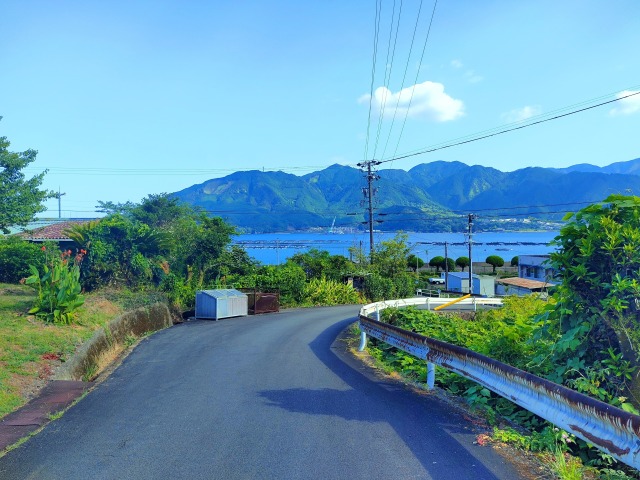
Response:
column 482, row 284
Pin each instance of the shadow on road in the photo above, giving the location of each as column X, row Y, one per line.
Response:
column 426, row 425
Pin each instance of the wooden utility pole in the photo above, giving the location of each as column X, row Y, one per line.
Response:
column 371, row 176
column 446, row 268
column 59, row 196
column 471, row 218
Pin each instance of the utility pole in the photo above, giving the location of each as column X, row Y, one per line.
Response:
column 371, row 176
column 59, row 196
column 446, row 268
column 471, row 218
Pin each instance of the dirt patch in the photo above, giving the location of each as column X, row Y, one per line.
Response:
column 105, row 306
column 37, row 376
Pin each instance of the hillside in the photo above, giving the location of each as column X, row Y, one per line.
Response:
column 429, row 197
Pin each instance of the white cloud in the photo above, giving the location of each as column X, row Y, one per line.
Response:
column 429, row 101
column 456, row 63
column 472, row 76
column 520, row 114
column 626, row 106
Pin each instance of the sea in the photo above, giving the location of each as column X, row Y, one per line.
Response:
column 275, row 248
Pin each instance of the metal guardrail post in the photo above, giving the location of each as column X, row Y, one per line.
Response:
column 363, row 341
column 431, row 375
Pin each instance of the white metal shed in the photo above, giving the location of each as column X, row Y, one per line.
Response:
column 221, row 303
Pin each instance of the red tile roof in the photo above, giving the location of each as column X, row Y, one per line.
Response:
column 53, row 232
column 524, row 283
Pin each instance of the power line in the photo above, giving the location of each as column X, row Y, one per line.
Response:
column 526, row 206
column 475, row 139
column 535, row 117
column 404, row 76
column 373, row 71
column 388, row 69
column 424, row 48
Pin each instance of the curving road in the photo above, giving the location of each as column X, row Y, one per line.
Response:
column 266, row 397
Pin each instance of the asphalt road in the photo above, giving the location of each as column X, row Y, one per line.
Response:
column 266, row 397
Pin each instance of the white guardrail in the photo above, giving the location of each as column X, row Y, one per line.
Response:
column 610, row 429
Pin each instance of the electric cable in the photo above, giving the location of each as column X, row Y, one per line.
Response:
column 373, row 71
column 475, row 139
column 424, row 48
column 404, row 76
column 388, row 70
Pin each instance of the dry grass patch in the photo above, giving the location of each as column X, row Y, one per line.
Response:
column 31, row 350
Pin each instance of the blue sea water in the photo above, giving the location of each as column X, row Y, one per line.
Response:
column 275, row 248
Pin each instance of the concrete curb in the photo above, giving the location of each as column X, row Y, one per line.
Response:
column 137, row 322
column 67, row 386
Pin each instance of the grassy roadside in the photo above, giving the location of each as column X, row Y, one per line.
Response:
column 502, row 333
column 31, row 350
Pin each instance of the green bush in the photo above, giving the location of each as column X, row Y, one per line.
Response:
column 58, row 287
column 377, row 288
column 329, row 292
column 289, row 279
column 179, row 292
column 16, row 255
column 404, row 285
column 503, row 334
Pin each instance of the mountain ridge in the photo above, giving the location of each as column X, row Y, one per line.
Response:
column 428, row 197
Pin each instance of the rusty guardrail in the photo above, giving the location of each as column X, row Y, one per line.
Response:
column 610, row 429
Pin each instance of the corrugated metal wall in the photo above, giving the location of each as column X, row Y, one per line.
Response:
column 222, row 303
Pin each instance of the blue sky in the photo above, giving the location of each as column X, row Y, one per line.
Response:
column 127, row 98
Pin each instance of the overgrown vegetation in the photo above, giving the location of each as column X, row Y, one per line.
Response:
column 594, row 321
column 58, row 286
column 586, row 337
column 30, row 348
column 16, row 258
column 506, row 335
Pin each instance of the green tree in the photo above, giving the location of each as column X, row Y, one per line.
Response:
column 495, row 261
column 377, row 287
column 437, row 262
column 161, row 210
column 450, row 264
column 594, row 321
column 320, row 264
column 463, row 262
column 390, row 256
column 20, row 198
column 414, row 262
column 515, row 261
column 235, row 261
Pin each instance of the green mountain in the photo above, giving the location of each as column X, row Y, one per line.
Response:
column 429, row 197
